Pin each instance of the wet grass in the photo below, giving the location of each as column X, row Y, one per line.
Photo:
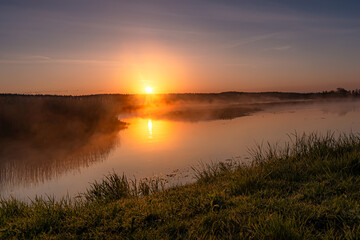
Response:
column 308, row 189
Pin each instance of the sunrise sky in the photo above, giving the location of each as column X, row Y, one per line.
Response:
column 90, row 47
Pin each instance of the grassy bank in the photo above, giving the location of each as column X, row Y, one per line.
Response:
column 310, row 189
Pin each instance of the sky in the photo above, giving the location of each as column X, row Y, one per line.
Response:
column 108, row 46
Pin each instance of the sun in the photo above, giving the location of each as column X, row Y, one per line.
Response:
column 148, row 89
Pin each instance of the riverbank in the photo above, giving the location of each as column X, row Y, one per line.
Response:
column 309, row 189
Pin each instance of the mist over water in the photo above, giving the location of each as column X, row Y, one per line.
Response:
column 60, row 151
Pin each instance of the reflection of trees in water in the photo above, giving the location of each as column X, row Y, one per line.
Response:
column 23, row 164
column 42, row 137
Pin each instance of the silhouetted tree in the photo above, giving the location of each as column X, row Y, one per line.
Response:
column 342, row 91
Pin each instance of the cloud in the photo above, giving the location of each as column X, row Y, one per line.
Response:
column 280, row 48
column 253, row 39
column 38, row 59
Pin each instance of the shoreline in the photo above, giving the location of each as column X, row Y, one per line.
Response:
column 310, row 189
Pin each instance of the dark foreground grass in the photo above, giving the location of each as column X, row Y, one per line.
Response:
column 308, row 190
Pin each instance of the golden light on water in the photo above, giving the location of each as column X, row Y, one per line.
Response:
column 150, row 131
column 150, row 128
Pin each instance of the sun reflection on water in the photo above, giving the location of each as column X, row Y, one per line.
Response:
column 151, row 132
column 150, row 128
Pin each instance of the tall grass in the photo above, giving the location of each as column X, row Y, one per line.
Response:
column 308, row 189
column 114, row 187
column 205, row 172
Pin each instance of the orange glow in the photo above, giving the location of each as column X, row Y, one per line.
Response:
column 151, row 66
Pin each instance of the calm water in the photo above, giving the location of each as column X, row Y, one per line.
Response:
column 156, row 146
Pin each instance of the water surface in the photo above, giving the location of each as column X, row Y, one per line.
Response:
column 164, row 145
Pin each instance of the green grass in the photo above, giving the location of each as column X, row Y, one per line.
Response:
column 310, row 189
